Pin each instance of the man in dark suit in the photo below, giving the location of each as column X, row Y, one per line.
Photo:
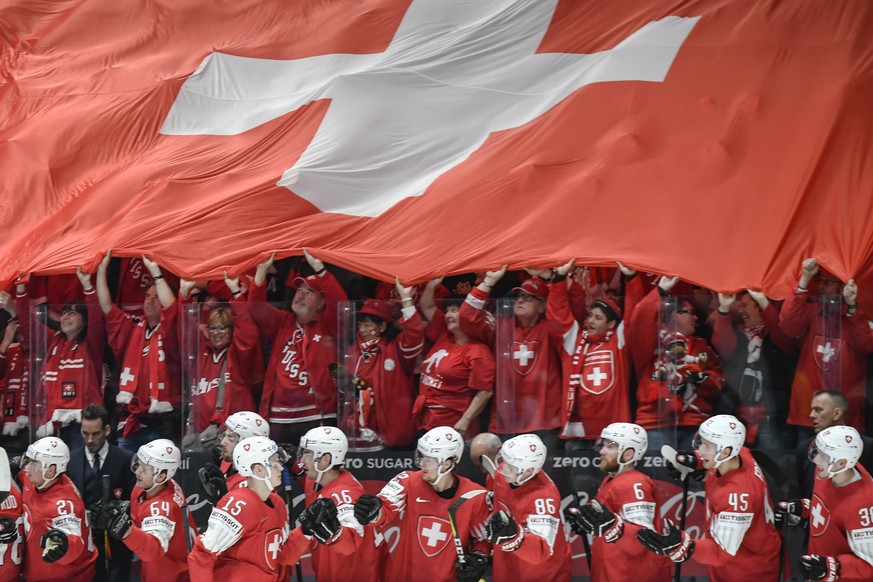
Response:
column 828, row 409
column 91, row 466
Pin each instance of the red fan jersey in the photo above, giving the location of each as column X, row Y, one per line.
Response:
column 833, row 357
column 533, row 399
column 743, row 543
column 359, row 552
column 158, row 533
column 544, row 553
column 630, row 494
column 841, row 524
column 451, row 374
column 426, row 547
column 13, row 371
column 58, row 507
column 244, row 539
column 11, row 554
column 596, row 371
column 298, row 386
column 388, row 367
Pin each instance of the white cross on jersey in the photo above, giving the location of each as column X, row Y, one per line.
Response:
column 455, row 72
column 827, row 352
column 817, row 518
column 523, row 355
column 597, row 376
column 126, row 377
column 316, row 338
column 273, row 546
column 434, row 534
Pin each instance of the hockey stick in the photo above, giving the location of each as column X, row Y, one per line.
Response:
column 669, row 453
column 770, row 467
column 5, row 476
column 453, row 509
column 289, row 499
column 107, row 485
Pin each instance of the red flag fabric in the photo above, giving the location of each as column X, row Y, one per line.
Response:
column 723, row 141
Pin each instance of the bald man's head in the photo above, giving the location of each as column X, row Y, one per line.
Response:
column 485, row 444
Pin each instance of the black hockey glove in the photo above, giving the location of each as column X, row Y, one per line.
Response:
column 675, row 543
column 119, row 525
column 792, row 513
column 687, row 460
column 213, row 481
column 320, row 521
column 504, row 532
column 473, row 568
column 54, row 544
column 367, row 508
column 596, row 519
column 102, row 513
column 573, row 517
column 815, row 567
column 8, row 530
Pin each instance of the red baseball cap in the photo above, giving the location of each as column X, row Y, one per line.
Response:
column 377, row 308
column 533, row 286
column 607, row 304
column 314, row 282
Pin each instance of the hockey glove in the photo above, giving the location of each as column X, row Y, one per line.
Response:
column 102, row 513
column 675, row 543
column 473, row 568
column 573, row 517
column 320, row 521
column 815, row 567
column 686, row 460
column 54, row 544
column 596, row 519
column 367, row 509
column 213, row 482
column 297, row 469
column 8, row 530
column 504, row 532
column 792, row 513
column 119, row 525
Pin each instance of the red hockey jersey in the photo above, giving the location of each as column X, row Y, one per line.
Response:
column 11, row 554
column 244, row 539
column 58, row 507
column 426, row 546
column 359, row 552
column 158, row 533
column 632, row 495
column 544, row 553
column 841, row 525
column 743, row 543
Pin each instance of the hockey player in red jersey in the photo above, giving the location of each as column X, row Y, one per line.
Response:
column 341, row 549
column 743, row 543
column 247, row 530
column 11, row 535
column 528, row 537
column 420, row 500
column 58, row 544
column 218, row 480
column 840, row 513
column 155, row 527
column 625, row 504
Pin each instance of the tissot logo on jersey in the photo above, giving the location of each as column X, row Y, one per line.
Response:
column 434, row 534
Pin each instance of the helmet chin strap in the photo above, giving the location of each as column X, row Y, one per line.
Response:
column 441, row 474
column 155, row 484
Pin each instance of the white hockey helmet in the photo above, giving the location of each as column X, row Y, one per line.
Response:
column 253, row 451
column 326, row 439
column 159, row 454
column 835, row 443
column 48, row 451
column 441, row 444
column 526, row 451
column 723, row 430
column 246, row 424
column 627, row 436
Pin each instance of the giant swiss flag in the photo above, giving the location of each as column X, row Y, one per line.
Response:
column 719, row 140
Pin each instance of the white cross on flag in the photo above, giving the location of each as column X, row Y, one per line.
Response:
column 429, row 137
